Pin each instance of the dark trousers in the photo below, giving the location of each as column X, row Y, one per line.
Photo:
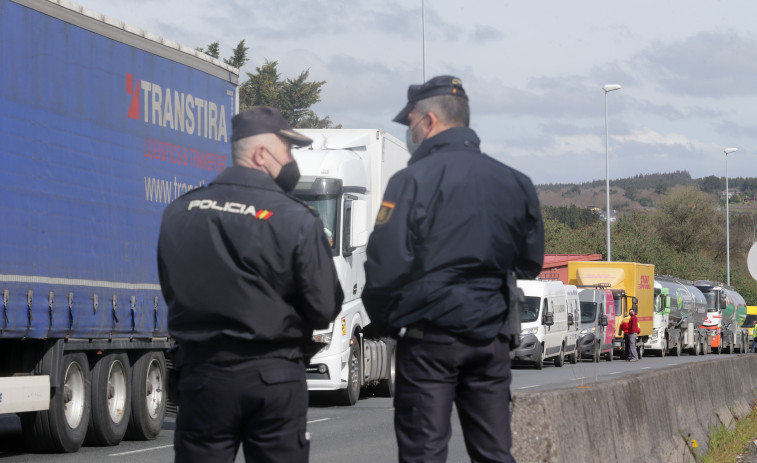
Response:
column 439, row 370
column 261, row 404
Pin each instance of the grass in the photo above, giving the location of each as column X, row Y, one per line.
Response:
column 725, row 445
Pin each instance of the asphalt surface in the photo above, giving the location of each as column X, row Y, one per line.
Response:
column 346, row 434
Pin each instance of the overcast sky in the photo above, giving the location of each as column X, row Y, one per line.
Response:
column 533, row 70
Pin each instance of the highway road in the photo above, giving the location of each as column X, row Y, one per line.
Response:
column 347, row 434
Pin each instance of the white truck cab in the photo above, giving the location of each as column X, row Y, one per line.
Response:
column 544, row 323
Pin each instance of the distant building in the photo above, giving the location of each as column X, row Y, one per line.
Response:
column 613, row 216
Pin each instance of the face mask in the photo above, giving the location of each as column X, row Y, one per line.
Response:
column 288, row 177
column 411, row 144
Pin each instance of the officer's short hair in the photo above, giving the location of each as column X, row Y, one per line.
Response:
column 450, row 109
column 242, row 147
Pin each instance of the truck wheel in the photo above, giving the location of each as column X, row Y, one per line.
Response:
column 560, row 359
column 640, row 351
column 539, row 364
column 148, row 396
column 573, row 358
column 111, row 400
column 63, row 427
column 349, row 396
column 385, row 388
column 608, row 355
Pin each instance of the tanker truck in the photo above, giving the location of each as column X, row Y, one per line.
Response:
column 680, row 309
column 344, row 175
column 726, row 311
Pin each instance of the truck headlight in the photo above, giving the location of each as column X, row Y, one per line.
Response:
column 325, row 337
column 529, row 330
column 587, row 330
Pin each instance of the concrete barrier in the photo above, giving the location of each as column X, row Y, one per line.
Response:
column 645, row 417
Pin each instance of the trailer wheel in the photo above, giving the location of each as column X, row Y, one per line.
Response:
column 350, row 395
column 385, row 388
column 148, row 396
column 63, row 427
column 111, row 400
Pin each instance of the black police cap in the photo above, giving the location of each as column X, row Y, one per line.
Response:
column 262, row 119
column 439, row 85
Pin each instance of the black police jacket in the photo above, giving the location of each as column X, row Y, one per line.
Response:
column 452, row 224
column 245, row 269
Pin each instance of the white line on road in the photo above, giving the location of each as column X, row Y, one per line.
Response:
column 645, row 368
column 316, row 421
column 528, row 387
column 140, row 451
column 616, row 372
column 577, row 379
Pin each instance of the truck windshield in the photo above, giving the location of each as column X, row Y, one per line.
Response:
column 326, row 205
column 588, row 311
column 712, row 301
column 749, row 321
column 529, row 312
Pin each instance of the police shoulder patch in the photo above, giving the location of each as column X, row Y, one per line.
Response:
column 385, row 212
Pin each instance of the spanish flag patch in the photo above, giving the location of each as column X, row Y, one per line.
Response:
column 385, row 213
column 263, row 214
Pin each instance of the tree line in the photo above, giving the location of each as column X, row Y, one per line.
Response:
column 685, row 236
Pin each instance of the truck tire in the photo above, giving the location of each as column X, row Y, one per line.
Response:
column 539, row 363
column 729, row 348
column 560, row 359
column 111, row 400
column 573, row 358
column 385, row 387
column 608, row 355
column 63, row 427
column 351, row 394
column 640, row 351
column 148, row 396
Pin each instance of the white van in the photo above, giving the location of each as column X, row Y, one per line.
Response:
column 544, row 323
column 573, row 335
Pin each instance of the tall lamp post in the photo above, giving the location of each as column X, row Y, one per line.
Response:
column 608, row 88
column 727, row 151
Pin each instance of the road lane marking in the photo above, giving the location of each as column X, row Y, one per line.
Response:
column 316, row 421
column 140, row 451
column 616, row 372
column 528, row 387
column 578, row 379
column 645, row 368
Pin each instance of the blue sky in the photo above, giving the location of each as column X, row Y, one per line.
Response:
column 534, row 71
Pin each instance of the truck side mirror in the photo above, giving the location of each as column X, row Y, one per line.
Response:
column 570, row 319
column 603, row 320
column 549, row 319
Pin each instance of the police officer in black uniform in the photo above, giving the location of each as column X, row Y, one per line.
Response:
column 247, row 274
column 450, row 228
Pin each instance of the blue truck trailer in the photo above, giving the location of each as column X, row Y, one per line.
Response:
column 101, row 125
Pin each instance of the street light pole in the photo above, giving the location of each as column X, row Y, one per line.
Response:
column 727, row 151
column 608, row 88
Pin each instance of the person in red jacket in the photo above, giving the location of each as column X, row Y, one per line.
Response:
column 624, row 329
column 633, row 332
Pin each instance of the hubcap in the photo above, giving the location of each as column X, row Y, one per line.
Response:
column 154, row 391
column 117, row 391
column 73, row 395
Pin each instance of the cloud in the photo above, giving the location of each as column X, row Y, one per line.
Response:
column 708, row 64
column 483, row 34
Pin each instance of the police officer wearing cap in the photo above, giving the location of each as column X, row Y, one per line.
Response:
column 247, row 274
column 451, row 227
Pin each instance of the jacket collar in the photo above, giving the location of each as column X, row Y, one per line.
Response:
column 456, row 138
column 246, row 176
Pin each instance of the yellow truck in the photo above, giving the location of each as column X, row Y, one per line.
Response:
column 632, row 286
column 749, row 323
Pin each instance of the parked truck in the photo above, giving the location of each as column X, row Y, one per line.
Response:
column 725, row 313
column 748, row 324
column 597, row 323
column 344, row 175
column 632, row 286
column 680, row 309
column 543, row 322
column 102, row 125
